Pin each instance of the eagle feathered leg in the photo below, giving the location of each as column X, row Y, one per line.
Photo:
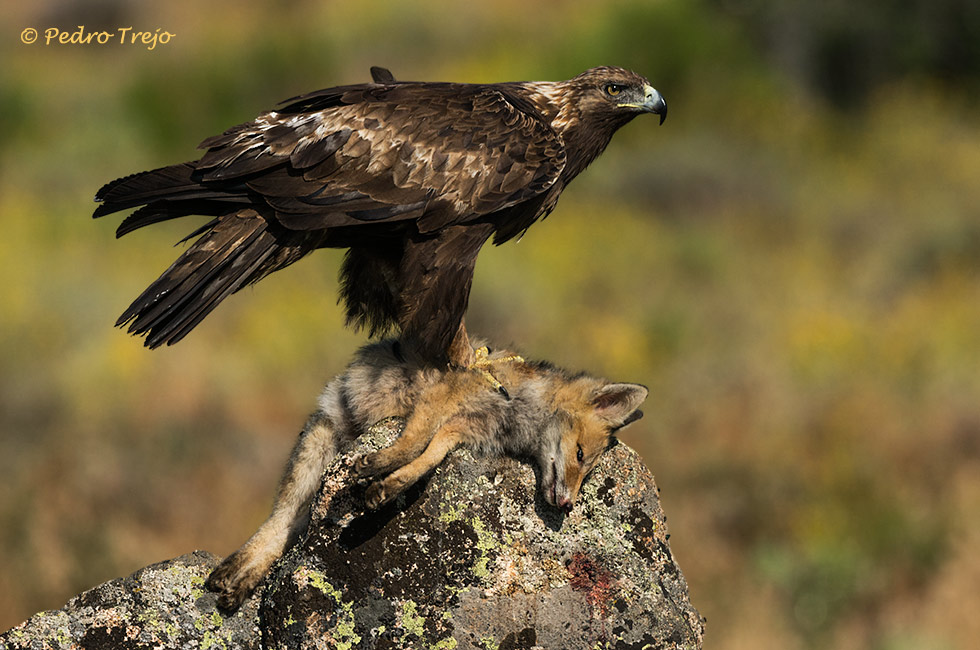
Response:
column 435, row 277
column 431, row 314
column 461, row 352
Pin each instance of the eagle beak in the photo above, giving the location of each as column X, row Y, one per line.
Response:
column 653, row 102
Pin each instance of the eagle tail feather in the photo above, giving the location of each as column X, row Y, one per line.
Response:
column 165, row 193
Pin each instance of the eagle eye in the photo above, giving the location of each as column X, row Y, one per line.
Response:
column 613, row 89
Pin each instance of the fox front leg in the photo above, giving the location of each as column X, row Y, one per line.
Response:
column 418, row 432
column 382, row 492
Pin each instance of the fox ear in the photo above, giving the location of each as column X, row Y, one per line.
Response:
column 618, row 403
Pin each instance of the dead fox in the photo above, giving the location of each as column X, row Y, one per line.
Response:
column 561, row 420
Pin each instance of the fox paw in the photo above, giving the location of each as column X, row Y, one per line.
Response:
column 233, row 582
column 375, row 496
column 366, row 466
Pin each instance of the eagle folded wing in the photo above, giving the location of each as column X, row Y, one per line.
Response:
column 440, row 154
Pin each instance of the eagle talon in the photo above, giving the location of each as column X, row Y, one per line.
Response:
column 483, row 364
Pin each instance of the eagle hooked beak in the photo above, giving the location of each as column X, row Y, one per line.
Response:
column 653, row 102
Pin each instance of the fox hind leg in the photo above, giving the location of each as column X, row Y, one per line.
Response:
column 238, row 575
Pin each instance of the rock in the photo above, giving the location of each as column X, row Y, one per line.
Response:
column 469, row 558
column 476, row 559
column 161, row 606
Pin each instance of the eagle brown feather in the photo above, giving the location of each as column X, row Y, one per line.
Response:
column 412, row 177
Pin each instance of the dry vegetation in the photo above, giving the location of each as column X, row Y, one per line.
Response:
column 798, row 284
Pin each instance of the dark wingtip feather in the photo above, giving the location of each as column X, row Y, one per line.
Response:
column 233, row 252
column 102, row 210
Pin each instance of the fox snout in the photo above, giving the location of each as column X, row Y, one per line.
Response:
column 564, row 498
column 558, row 495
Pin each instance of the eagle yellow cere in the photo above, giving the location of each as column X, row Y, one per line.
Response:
column 411, row 177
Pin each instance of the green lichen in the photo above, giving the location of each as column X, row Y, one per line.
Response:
column 212, row 622
column 211, row 640
column 346, row 637
column 451, row 507
column 63, row 637
column 489, row 643
column 149, row 618
column 319, row 581
column 448, row 643
column 411, row 622
column 450, row 512
column 197, row 587
column 484, row 544
column 178, row 580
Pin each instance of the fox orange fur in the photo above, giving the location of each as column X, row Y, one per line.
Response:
column 562, row 421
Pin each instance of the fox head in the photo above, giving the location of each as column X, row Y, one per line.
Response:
column 589, row 411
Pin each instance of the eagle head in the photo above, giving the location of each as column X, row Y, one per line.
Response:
column 616, row 93
column 587, row 110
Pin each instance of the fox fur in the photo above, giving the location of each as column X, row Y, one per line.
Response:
column 562, row 421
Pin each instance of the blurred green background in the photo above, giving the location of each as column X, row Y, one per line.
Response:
column 791, row 264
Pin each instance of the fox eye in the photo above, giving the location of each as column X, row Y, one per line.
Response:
column 613, row 89
column 579, row 455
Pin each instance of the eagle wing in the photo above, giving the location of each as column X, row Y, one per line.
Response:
column 438, row 154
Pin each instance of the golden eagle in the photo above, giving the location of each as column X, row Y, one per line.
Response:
column 411, row 177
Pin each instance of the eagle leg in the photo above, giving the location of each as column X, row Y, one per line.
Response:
column 461, row 352
column 462, row 355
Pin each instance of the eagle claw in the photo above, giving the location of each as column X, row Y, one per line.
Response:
column 483, row 364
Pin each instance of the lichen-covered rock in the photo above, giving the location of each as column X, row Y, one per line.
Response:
column 474, row 558
column 470, row 558
column 161, row 606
